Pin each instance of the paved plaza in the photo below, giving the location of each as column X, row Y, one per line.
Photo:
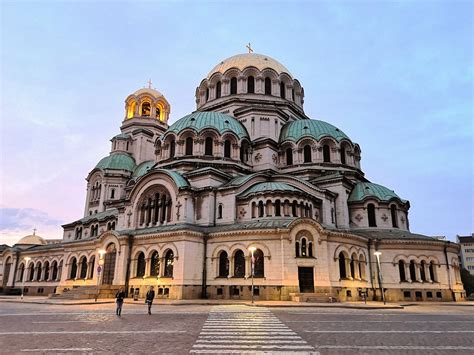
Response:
column 220, row 329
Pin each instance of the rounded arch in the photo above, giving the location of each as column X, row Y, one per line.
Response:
column 263, row 247
column 214, row 79
column 218, row 249
column 170, row 246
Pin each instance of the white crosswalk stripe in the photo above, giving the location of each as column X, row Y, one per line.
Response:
column 244, row 329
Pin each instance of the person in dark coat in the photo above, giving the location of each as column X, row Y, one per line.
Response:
column 119, row 296
column 150, row 296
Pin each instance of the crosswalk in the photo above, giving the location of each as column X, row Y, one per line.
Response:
column 240, row 329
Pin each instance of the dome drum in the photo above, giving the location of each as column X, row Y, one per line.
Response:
column 147, row 103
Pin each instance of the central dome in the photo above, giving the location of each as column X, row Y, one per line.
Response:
column 242, row 61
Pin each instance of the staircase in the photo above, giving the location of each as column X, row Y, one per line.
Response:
column 313, row 297
column 86, row 292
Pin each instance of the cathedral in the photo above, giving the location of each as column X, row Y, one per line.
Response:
column 245, row 197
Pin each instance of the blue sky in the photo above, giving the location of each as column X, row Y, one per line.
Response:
column 396, row 77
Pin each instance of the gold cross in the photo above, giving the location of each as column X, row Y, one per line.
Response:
column 149, row 84
column 249, row 47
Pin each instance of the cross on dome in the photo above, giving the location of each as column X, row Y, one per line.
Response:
column 149, row 84
column 249, row 47
column 34, row 231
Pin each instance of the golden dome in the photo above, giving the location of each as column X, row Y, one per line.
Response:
column 242, row 61
column 32, row 239
column 150, row 91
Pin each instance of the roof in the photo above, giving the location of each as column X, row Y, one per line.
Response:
column 143, row 168
column 376, row 233
column 245, row 60
column 113, row 212
column 149, row 91
column 123, row 136
column 239, row 180
column 117, row 161
column 466, row 239
column 32, row 239
column 364, row 190
column 294, row 131
column 178, row 179
column 269, row 187
column 199, row 121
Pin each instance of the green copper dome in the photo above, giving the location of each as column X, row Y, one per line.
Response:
column 364, row 190
column 117, row 161
column 199, row 121
column 143, row 168
column 269, row 186
column 294, row 131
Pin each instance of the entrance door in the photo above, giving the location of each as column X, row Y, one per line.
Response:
column 306, row 279
column 109, row 265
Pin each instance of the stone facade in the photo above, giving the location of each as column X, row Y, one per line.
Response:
column 181, row 207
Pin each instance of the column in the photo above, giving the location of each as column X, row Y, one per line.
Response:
column 417, row 272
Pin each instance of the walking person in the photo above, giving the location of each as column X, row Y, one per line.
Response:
column 150, row 296
column 119, row 296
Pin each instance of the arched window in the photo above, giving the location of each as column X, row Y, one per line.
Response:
column 131, row 109
column 91, row 266
column 223, row 264
column 250, row 85
column 39, row 271
column 239, row 264
column 261, row 209
column 207, row 94
column 157, row 112
column 112, row 193
column 422, row 271
column 310, row 249
column 244, row 152
column 233, row 86
column 303, row 247
column 154, row 264
column 227, row 149
column 393, row 210
column 307, row 153
column 219, row 211
column 169, row 259
column 54, row 268
column 146, row 109
column 189, row 146
column 268, row 86
column 289, row 156
column 343, row 155
column 141, row 265
column 254, row 209
column 218, row 90
column 259, row 264
column 172, row 149
column 73, row 272
column 278, row 208
column 297, row 249
column 31, row 272
column 352, row 265
column 282, row 90
column 362, row 266
column 342, row 266
column 326, row 154
column 208, row 146
column 371, row 215
column 401, row 270
column 294, row 208
column 412, row 270
column 83, row 274
column 21, row 272
column 432, row 271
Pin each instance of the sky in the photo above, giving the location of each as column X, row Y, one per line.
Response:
column 396, row 77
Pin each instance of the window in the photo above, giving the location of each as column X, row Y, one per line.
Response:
column 227, row 148
column 278, row 208
column 91, row 266
column 219, row 211
column 326, row 154
column 407, row 294
column 208, row 146
column 172, row 149
column 157, row 113
column 422, row 271
column 223, row 264
column 239, row 264
column 73, row 272
column 293, row 95
column 310, row 249
column 250, row 85
column 154, row 264
column 218, row 90
column 189, row 146
column 343, row 155
column 46, row 271
column 21, row 272
column 220, row 291
column 112, row 193
column 401, row 270
column 259, row 264
column 412, row 270
column 429, row 294
column 141, row 265
column 352, row 266
column 289, row 156
column 83, row 274
column 307, row 153
column 260, row 209
column 439, row 295
column 282, row 91
column 303, row 247
column 432, row 271
column 233, row 86
column 146, row 109
column 31, row 272
column 362, row 267
column 268, row 86
column 393, row 210
column 39, row 270
column 55, row 270
column 294, row 207
column 207, row 95
column 371, row 215
column 297, row 249
column 169, row 263
column 342, row 266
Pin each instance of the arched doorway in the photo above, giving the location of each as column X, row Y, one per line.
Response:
column 109, row 265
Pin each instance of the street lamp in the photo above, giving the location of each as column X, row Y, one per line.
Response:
column 379, row 272
column 252, row 250
column 27, row 259
column 101, row 252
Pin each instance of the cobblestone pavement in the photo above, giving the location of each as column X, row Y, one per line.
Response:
column 421, row 329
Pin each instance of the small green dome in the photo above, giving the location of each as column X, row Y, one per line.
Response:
column 364, row 190
column 294, row 131
column 143, row 168
column 117, row 161
column 199, row 121
column 269, row 186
